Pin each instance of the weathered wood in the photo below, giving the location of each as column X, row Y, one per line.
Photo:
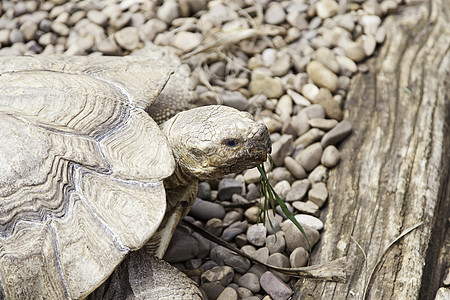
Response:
column 394, row 171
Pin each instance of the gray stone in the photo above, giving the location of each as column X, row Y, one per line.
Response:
column 234, row 84
column 256, row 234
column 4, row 37
column 235, row 100
column 294, row 238
column 204, row 246
column 251, row 214
column 282, row 188
column 326, row 8
column 280, row 211
column 182, row 247
column 284, row 107
column 348, row 66
column 298, row 99
column 279, row 174
column 244, row 293
column 309, row 137
column 318, row 194
column 310, row 90
column 307, row 207
column 281, row 66
column 60, row 28
column 223, row 256
column 279, row 260
column 337, row 134
column 330, row 156
column 354, row 51
column 322, row 76
column 205, row 210
column 310, row 157
column 228, row 187
column 275, row 243
column 309, row 221
column 262, row 254
column 252, row 175
column 48, row 38
column 204, row 191
column 314, row 111
column 294, row 167
column 298, row 190
column 327, row 58
column 263, row 84
column 274, row 224
column 212, row 289
column 228, row 294
column 108, row 46
column 282, row 148
column 299, row 124
column 232, row 217
column 274, row 286
column 16, row 36
column 232, row 231
column 97, row 17
column 149, row 30
column 222, row 274
column 250, row 281
column 29, row 30
column 299, row 258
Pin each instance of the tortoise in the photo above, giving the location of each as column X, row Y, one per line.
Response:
column 88, row 178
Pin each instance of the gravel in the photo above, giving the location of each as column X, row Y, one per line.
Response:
column 291, row 73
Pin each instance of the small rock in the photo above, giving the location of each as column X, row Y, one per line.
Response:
column 274, row 286
column 282, row 65
column 251, row 214
column 204, row 246
column 326, row 8
column 235, row 100
column 284, row 106
column 297, row 98
column 295, row 168
column 330, row 156
column 347, row 65
column 182, row 247
column 327, row 58
column 319, row 174
column 318, row 194
column 323, row 124
column 60, row 28
column 233, row 230
column 205, row 210
column 127, row 38
column 309, row 221
column 233, row 84
column 310, row 157
column 279, row 260
column 228, row 187
column 258, row 270
column 269, row 86
column 16, row 36
column 228, row 294
column 370, row 24
column 309, row 137
column 294, row 238
column 48, row 38
column 29, row 30
column 337, row 134
column 280, row 173
column 275, row 243
column 314, row 111
column 187, row 41
column 369, row 44
column 274, row 224
column 299, row 258
column 149, row 30
column 298, row 191
column 332, row 108
column 275, row 14
column 256, row 234
column 222, row 274
column 244, row 293
column 168, row 11
column 223, row 256
column 232, row 217
column 108, row 46
column 321, row 76
column 97, row 17
column 250, row 281
column 310, row 91
column 4, row 37
column 282, row 188
column 443, row 293
column 252, row 175
column 212, row 289
column 354, row 51
column 307, row 207
column 299, row 124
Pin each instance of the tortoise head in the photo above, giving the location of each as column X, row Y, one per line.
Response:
column 211, row 141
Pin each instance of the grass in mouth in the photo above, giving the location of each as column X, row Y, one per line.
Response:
column 270, row 196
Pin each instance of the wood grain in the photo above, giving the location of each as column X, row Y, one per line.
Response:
column 394, row 168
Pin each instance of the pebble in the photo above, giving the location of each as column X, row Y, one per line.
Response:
column 233, row 84
column 282, row 188
column 262, row 254
column 307, row 207
column 274, row 224
column 298, row 191
column 310, row 91
column 282, row 148
column 29, row 30
column 127, row 38
column 279, row 260
column 309, row 137
column 294, row 238
column 370, row 24
column 205, row 210
column 187, row 41
column 354, row 51
column 97, row 17
column 326, row 8
column 233, row 230
column 232, row 217
column 314, row 111
column 318, row 194
column 16, row 36
column 347, row 65
column 168, row 11
column 269, row 86
column 323, row 124
column 274, row 286
column 256, row 234
column 222, row 274
column 298, row 125
column 224, row 256
column 309, row 221
column 227, row 187
column 310, row 157
column 337, row 134
column 284, row 107
column 299, row 258
column 275, row 14
column 297, row 98
column 327, row 58
column 369, row 44
column 322, row 76
column 182, row 247
column 295, row 168
column 244, row 293
column 212, row 289
column 275, row 243
column 250, row 281
column 319, row 174
column 228, row 294
column 330, row 156
column 332, row 108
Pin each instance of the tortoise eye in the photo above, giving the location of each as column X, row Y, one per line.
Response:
column 231, row 142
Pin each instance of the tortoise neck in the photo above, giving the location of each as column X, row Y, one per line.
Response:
column 179, row 178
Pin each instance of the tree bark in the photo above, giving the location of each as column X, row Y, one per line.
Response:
column 394, row 170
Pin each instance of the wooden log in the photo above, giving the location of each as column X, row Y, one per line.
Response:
column 394, row 171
